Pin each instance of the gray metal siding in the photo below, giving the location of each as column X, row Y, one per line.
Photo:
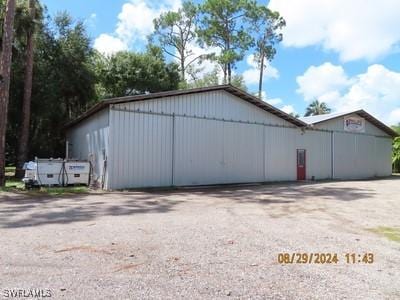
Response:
column 150, row 149
column 318, row 153
column 215, row 104
column 209, row 151
column 214, row 138
column 140, row 149
column 383, row 156
column 281, row 153
column 89, row 139
column 361, row 156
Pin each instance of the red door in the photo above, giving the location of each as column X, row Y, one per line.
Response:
column 301, row 164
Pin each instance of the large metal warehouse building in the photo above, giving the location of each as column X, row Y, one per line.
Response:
column 221, row 134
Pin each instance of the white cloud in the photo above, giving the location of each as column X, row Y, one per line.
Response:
column 289, row 109
column 252, row 75
column 108, row 44
column 377, row 90
column 356, row 29
column 135, row 22
column 277, row 102
column 274, row 101
column 394, row 117
column 325, row 79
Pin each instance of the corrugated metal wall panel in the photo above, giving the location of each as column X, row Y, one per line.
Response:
column 210, row 152
column 361, row 156
column 198, row 151
column 141, row 149
column 383, row 157
column 280, row 153
column 215, row 104
column 344, row 155
column 365, row 156
column 159, row 150
column 149, row 148
column 318, row 153
column 243, row 152
column 89, row 140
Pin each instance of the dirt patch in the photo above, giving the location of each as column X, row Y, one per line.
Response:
column 205, row 243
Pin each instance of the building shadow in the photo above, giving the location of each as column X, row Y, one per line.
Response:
column 22, row 210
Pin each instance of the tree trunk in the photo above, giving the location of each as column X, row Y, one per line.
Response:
column 260, row 82
column 183, row 69
column 5, row 72
column 229, row 73
column 224, row 71
column 26, row 105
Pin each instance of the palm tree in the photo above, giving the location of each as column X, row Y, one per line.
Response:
column 317, row 108
column 5, row 70
column 26, row 104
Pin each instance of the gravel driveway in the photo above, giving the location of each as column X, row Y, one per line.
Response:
column 219, row 243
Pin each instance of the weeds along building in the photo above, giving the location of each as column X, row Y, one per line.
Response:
column 221, row 134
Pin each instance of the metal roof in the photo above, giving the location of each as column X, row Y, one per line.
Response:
column 321, row 118
column 312, row 120
column 228, row 88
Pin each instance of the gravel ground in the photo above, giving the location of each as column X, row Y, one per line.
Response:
column 219, row 243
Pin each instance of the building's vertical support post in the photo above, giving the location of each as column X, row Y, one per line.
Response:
column 173, row 151
column 264, row 153
column 332, row 155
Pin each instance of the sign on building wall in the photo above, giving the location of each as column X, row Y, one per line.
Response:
column 354, row 124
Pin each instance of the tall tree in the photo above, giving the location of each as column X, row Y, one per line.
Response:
column 317, row 108
column 267, row 24
column 396, row 128
column 174, row 32
column 128, row 73
column 396, row 155
column 213, row 78
column 5, row 71
column 26, row 103
column 224, row 24
column 74, row 74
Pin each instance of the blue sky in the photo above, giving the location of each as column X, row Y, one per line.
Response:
column 345, row 53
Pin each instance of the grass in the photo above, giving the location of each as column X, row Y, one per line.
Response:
column 391, row 233
column 17, row 186
column 13, row 184
column 10, row 171
column 55, row 191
